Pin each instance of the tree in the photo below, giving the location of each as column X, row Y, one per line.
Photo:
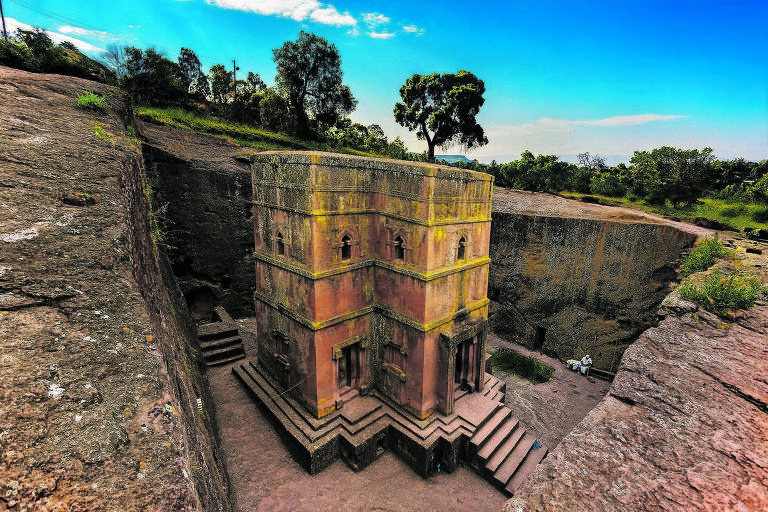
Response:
column 309, row 76
column 376, row 141
column 221, row 82
column 114, row 58
column 537, row 173
column 667, row 173
column 192, row 76
column 442, row 109
column 273, row 110
column 69, row 45
column 37, row 40
column 151, row 78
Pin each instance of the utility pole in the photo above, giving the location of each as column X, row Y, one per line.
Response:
column 5, row 32
column 234, row 78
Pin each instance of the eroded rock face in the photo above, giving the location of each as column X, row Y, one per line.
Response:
column 684, row 426
column 97, row 404
column 205, row 194
column 576, row 286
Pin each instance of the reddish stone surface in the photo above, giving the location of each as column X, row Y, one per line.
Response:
column 379, row 313
column 684, row 427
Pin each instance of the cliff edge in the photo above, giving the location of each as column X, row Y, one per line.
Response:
column 99, row 387
column 684, row 426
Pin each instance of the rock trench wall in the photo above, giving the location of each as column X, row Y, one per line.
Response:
column 208, row 231
column 98, row 375
column 684, row 426
column 572, row 286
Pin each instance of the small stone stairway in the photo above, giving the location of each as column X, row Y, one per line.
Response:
column 502, row 451
column 220, row 342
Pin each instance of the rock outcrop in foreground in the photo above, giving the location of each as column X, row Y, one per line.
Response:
column 98, row 380
column 684, row 426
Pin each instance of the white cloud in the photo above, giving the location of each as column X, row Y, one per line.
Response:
column 413, row 29
column 13, row 24
column 374, row 18
column 380, row 35
column 330, row 16
column 298, row 10
column 627, row 120
column 82, row 32
column 563, row 125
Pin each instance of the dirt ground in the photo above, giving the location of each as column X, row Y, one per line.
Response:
column 554, row 408
column 264, row 476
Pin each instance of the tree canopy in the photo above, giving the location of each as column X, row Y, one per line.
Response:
column 309, row 76
column 667, row 173
column 151, row 78
column 442, row 109
column 192, row 76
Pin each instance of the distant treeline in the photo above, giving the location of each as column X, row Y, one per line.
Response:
column 310, row 100
column 680, row 176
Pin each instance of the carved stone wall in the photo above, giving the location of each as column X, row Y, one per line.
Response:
column 353, row 248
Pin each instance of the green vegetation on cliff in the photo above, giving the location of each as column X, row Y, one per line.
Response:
column 243, row 135
column 720, row 292
column 723, row 293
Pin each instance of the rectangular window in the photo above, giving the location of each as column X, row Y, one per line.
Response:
column 393, row 355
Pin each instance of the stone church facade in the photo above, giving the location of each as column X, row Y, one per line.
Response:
column 371, row 274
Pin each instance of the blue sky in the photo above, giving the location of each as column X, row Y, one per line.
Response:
column 562, row 76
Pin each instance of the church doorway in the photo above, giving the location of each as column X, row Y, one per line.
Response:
column 348, row 369
column 465, row 374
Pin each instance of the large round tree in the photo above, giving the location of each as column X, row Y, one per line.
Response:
column 309, row 76
column 442, row 109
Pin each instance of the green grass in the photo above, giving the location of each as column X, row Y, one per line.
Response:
column 721, row 293
column 703, row 256
column 98, row 130
column 242, row 135
column 734, row 215
column 509, row 361
column 91, row 101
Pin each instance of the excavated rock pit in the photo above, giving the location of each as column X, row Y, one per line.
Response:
column 100, row 375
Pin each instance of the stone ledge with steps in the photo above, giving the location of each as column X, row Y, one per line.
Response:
column 220, row 342
column 481, row 431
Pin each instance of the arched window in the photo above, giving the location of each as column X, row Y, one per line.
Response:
column 462, row 252
column 280, row 244
column 399, row 249
column 346, row 248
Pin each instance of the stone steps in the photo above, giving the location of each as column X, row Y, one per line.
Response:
column 497, row 445
column 504, row 449
column 490, row 444
column 504, row 452
column 220, row 342
column 526, row 468
column 513, row 460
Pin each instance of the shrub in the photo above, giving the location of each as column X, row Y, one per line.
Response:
column 91, row 101
column 15, row 55
column 530, row 368
column 703, row 256
column 760, row 215
column 723, row 293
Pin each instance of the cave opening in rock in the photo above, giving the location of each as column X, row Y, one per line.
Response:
column 200, row 303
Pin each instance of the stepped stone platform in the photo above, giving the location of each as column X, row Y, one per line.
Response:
column 220, row 342
column 481, row 432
